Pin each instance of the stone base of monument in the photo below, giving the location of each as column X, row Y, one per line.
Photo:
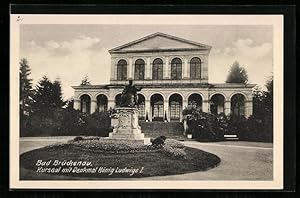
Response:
column 127, row 128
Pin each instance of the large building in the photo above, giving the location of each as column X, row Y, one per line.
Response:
column 173, row 73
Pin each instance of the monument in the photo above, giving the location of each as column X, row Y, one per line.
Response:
column 127, row 127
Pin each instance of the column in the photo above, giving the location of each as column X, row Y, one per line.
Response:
column 76, row 104
column 205, row 106
column 185, row 68
column 227, row 107
column 148, row 109
column 204, row 68
column 93, row 106
column 166, row 110
column 148, row 68
column 248, row 108
column 184, row 105
column 110, row 104
column 113, row 70
column 130, row 69
column 166, row 68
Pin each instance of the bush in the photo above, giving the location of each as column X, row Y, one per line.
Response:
column 255, row 129
column 174, row 151
column 158, row 142
column 70, row 122
column 203, row 126
column 111, row 146
column 208, row 127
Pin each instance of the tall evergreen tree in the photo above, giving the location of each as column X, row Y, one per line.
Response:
column 48, row 95
column 57, row 98
column 237, row 74
column 26, row 91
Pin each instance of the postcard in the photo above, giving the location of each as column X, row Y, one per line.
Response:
column 146, row 101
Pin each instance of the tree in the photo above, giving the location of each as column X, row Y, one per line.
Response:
column 237, row 74
column 69, row 104
column 26, row 91
column 57, row 98
column 48, row 95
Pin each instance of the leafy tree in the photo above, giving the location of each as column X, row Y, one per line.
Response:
column 237, row 74
column 26, row 91
column 69, row 104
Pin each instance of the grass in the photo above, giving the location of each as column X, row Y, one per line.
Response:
column 156, row 162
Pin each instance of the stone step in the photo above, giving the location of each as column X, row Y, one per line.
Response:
column 155, row 129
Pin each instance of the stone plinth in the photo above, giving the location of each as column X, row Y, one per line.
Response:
column 127, row 127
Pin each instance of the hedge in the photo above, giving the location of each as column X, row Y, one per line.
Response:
column 59, row 122
column 208, row 127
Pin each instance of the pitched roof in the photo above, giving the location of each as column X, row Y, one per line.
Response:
column 157, row 34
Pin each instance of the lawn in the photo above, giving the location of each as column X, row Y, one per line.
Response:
column 112, row 161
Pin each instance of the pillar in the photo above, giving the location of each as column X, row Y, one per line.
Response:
column 185, row 68
column 166, row 109
column 148, row 109
column 113, row 69
column 93, row 106
column 248, row 108
column 205, row 106
column 130, row 69
column 148, row 68
column 110, row 104
column 166, row 67
column 76, row 104
column 184, row 105
column 227, row 107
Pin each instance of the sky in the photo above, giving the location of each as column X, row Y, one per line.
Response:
column 69, row 52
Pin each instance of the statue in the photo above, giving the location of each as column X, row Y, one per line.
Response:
column 129, row 97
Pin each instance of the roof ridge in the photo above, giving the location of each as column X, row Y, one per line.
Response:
column 158, row 34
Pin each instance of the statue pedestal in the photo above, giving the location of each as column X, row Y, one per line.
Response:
column 127, row 127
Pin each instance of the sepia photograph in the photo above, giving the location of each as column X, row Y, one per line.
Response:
column 146, row 102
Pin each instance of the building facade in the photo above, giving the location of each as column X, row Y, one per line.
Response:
column 173, row 73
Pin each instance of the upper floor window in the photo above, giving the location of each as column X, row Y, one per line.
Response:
column 157, row 69
column 139, row 69
column 176, row 69
column 122, row 70
column 195, row 68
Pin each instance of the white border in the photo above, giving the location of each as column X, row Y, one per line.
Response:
column 275, row 20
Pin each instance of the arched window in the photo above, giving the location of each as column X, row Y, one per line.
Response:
column 217, row 104
column 139, row 69
column 195, row 68
column 176, row 69
column 238, row 105
column 175, row 103
column 122, row 70
column 101, row 103
column 85, row 104
column 195, row 100
column 157, row 106
column 157, row 69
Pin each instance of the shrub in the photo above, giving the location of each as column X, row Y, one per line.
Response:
column 174, row 143
column 157, row 142
column 173, row 151
column 203, row 126
column 106, row 145
column 67, row 122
